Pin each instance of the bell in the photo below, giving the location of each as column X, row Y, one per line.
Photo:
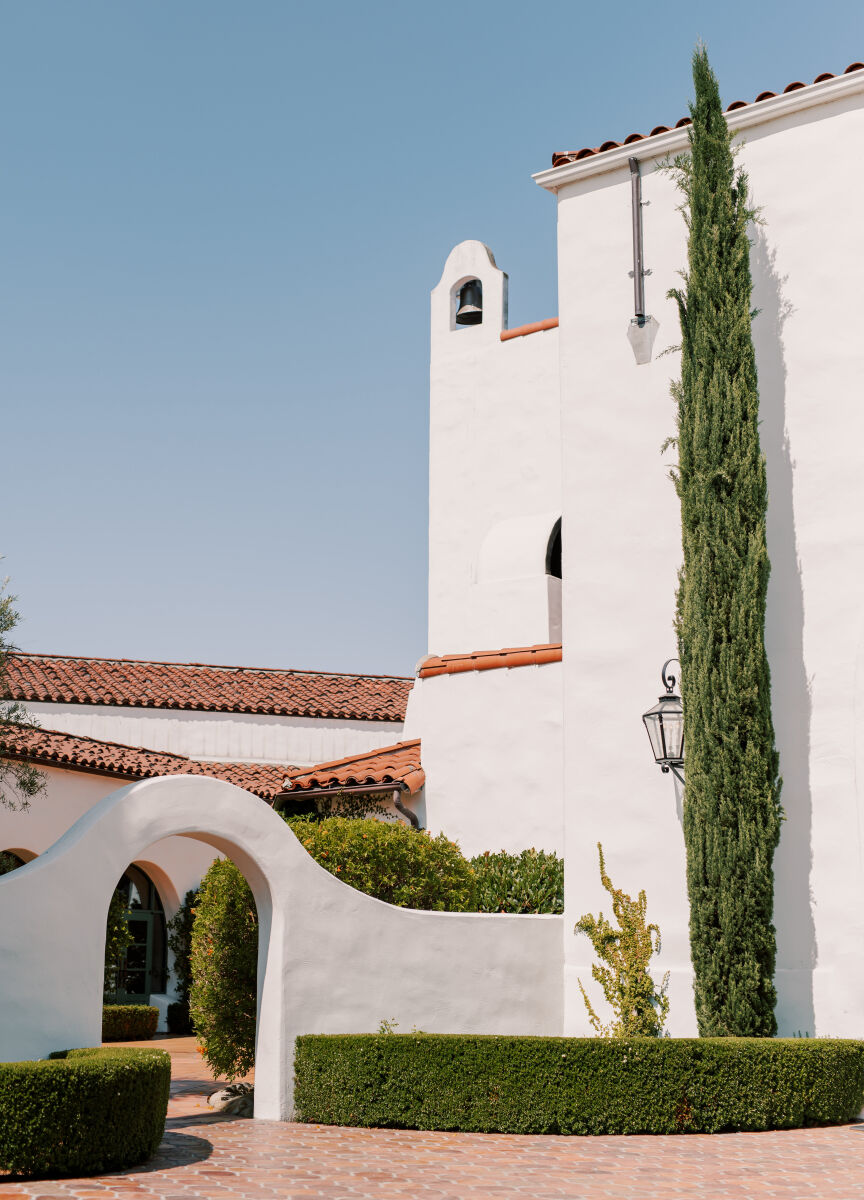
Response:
column 470, row 310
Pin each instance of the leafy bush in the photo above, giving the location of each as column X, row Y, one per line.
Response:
column 128, row 1022
column 390, row 861
column 530, row 882
column 118, row 939
column 83, row 1111
column 576, row 1085
column 180, row 945
column 638, row 1008
column 384, row 859
column 224, row 961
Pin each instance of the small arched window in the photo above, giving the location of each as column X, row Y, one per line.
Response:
column 553, row 551
column 469, row 305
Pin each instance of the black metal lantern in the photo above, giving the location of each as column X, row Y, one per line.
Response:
column 665, row 725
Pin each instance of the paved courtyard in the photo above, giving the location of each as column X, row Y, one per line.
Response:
column 208, row 1156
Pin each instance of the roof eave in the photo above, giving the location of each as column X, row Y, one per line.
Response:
column 671, row 142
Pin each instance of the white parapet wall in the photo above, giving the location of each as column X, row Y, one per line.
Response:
column 331, row 959
column 492, row 755
column 495, row 469
column 220, row 736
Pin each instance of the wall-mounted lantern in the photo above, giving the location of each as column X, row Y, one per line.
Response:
column 469, row 310
column 665, row 725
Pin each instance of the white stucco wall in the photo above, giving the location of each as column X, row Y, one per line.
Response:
column 492, row 755
column 495, row 484
column 622, row 542
column 221, row 736
column 174, row 864
column 330, row 958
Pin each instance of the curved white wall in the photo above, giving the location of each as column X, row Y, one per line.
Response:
column 330, row 958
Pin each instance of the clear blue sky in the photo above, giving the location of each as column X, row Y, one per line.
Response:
column 220, row 223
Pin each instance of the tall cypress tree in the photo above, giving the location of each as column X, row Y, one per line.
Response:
column 732, row 811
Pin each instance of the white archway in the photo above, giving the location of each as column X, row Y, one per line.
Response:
column 331, row 959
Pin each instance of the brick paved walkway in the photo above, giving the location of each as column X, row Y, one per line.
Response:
column 207, row 1157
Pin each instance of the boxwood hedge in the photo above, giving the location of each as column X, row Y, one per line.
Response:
column 83, row 1111
column 128, row 1022
column 576, row 1085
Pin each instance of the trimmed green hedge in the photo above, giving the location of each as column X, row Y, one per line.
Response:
column 128, row 1022
column 83, row 1111
column 576, row 1085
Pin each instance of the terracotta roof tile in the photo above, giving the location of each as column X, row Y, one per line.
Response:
column 51, row 748
column 488, row 660
column 524, row 330
column 64, row 679
column 399, row 764
column 560, row 158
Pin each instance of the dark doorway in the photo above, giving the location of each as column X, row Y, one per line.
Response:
column 141, row 970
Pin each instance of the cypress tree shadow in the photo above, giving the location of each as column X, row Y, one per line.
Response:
column 784, row 642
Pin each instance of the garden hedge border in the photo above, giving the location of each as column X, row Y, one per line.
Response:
column 128, row 1022
column 576, row 1085
column 82, row 1111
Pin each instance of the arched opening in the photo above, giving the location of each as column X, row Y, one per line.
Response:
column 12, row 859
column 553, row 551
column 468, row 303
column 140, row 968
column 553, row 583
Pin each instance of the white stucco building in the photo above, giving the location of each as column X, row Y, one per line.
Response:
column 554, row 545
column 566, row 418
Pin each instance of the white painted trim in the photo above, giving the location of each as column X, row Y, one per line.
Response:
column 756, row 113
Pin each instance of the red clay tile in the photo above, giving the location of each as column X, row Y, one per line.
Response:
column 65, row 679
column 50, row 748
column 488, row 660
column 524, row 330
column 561, row 157
column 398, row 764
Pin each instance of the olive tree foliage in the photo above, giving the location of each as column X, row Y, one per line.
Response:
column 639, row 1008
column 19, row 781
column 732, row 808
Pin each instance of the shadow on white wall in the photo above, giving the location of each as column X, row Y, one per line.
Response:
column 784, row 637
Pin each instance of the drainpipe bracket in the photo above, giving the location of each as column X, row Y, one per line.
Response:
column 641, row 333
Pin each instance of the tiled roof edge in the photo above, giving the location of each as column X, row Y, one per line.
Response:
column 524, row 330
column 565, row 158
column 489, row 660
column 359, row 771
column 93, row 756
column 159, row 662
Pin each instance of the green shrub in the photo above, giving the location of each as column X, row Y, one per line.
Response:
column 576, row 1085
column 530, row 882
column 82, row 1112
column 128, row 1022
column 118, row 939
column 224, row 959
column 390, row 861
column 180, row 945
column 638, row 1008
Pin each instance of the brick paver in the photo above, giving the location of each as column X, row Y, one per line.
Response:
column 216, row 1158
